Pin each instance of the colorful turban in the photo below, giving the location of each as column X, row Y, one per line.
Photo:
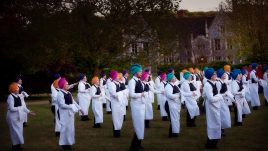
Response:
column 170, row 76
column 144, row 75
column 243, row 71
column 18, row 78
column 56, row 83
column 62, row 82
column 125, row 72
column 191, row 70
column 254, row 65
column 81, row 76
column 209, row 73
column 205, row 68
column 120, row 75
column 220, row 72
column 13, row 87
column 103, row 74
column 235, row 73
column 184, row 70
column 196, row 70
column 227, row 68
column 94, row 80
column 163, row 76
column 186, row 75
column 113, row 74
column 135, row 68
column 56, row 76
column 170, row 70
column 159, row 72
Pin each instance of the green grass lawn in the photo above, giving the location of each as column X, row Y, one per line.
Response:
column 39, row 135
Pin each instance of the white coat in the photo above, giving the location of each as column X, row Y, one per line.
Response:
column 174, row 107
column 163, row 98
column 225, row 111
column 23, row 95
column 240, row 101
column 54, row 101
column 83, row 97
column 190, row 100
column 103, row 88
column 137, row 108
column 253, row 88
column 118, row 104
column 265, row 85
column 108, row 98
column 246, row 87
column 213, row 105
column 15, row 118
column 148, row 102
column 152, row 90
column 97, row 104
column 158, row 88
column 67, row 111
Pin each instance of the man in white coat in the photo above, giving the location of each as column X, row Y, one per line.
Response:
column 137, row 103
column 117, row 103
column 265, row 88
column 55, row 105
column 15, row 116
column 253, row 88
column 103, row 87
column 67, row 108
column 189, row 91
column 227, row 98
column 83, row 96
column 212, row 105
column 157, row 87
column 173, row 105
column 240, row 106
column 97, row 108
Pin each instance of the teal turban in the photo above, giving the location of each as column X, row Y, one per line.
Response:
column 186, row 75
column 170, row 76
column 135, row 68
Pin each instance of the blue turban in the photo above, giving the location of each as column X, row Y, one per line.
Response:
column 125, row 72
column 56, row 76
column 209, row 73
column 170, row 76
column 81, row 76
column 159, row 72
column 243, row 71
column 220, row 72
column 103, row 74
column 170, row 70
column 135, row 68
column 254, row 65
column 235, row 73
column 265, row 69
column 186, row 75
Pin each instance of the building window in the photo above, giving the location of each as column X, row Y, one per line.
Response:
column 218, row 58
column 217, row 43
column 134, row 48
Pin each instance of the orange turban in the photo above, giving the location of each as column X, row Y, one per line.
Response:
column 227, row 68
column 191, row 70
column 56, row 83
column 94, row 80
column 13, row 87
column 184, row 70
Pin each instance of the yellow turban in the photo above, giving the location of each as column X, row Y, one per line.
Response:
column 13, row 87
column 184, row 70
column 191, row 70
column 120, row 75
column 56, row 83
column 196, row 70
column 94, row 80
column 227, row 68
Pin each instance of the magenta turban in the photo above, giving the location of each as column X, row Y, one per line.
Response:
column 62, row 82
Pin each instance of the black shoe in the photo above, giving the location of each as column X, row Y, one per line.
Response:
column 255, row 107
column 164, row 118
column 57, row 134
column 126, row 107
column 238, row 124
column 66, row 147
column 158, row 107
column 16, row 147
column 25, row 124
column 109, row 112
column 266, row 103
column 244, row 116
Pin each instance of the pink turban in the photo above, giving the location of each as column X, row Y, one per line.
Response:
column 62, row 82
column 163, row 76
column 113, row 74
column 144, row 75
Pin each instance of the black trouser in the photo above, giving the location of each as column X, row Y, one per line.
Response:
column 116, row 133
column 211, row 143
column 96, row 125
column 190, row 122
column 53, row 109
column 170, row 134
column 136, row 143
column 147, row 123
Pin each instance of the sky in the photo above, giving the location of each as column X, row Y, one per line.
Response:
column 200, row 5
